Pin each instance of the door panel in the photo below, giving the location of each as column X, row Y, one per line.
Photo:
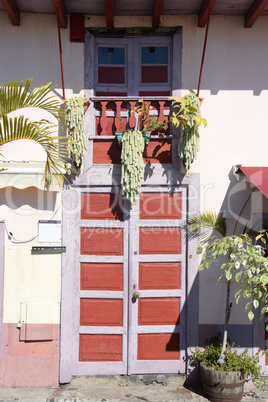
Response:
column 102, row 341
column 159, row 311
column 101, row 276
column 132, row 284
column 157, row 283
column 159, row 276
column 100, row 348
column 102, row 241
column 158, row 347
column 101, row 312
column 155, row 240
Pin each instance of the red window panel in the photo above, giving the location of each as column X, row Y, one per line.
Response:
column 154, row 93
column 101, row 312
column 105, row 93
column 106, row 152
column 158, row 240
column 101, row 206
column 101, row 276
column 158, row 151
column 162, row 205
column 159, row 275
column 100, row 348
column 157, row 74
column 111, row 75
column 159, row 311
column 158, row 346
column 101, row 241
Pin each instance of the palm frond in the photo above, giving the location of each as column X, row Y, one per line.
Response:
column 14, row 95
column 201, row 225
column 16, row 128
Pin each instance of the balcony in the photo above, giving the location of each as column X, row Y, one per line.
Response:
column 114, row 114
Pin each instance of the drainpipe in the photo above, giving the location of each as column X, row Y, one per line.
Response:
column 204, row 52
column 61, row 62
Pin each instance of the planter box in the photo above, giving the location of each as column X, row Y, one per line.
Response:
column 146, row 137
column 221, row 386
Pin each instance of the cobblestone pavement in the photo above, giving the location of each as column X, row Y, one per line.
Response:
column 117, row 389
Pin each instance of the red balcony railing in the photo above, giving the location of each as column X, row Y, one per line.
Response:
column 116, row 114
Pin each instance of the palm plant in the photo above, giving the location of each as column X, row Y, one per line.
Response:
column 15, row 95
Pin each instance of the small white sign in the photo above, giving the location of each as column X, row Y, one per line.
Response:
column 49, row 231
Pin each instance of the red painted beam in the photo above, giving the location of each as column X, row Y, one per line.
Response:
column 60, row 13
column 12, row 11
column 203, row 15
column 254, row 12
column 158, row 7
column 109, row 7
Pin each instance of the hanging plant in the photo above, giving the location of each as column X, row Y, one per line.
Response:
column 74, row 119
column 132, row 165
column 189, row 115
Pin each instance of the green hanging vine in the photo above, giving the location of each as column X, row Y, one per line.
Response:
column 74, row 119
column 132, row 164
column 189, row 115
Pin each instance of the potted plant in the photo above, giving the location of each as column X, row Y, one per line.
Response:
column 189, row 115
column 244, row 260
column 147, row 123
column 133, row 143
column 74, row 119
column 225, row 382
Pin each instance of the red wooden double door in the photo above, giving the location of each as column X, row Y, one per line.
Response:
column 131, row 295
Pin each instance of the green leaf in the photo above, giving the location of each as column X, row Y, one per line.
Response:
column 264, row 309
column 249, row 250
column 204, row 121
column 246, row 294
column 250, row 315
column 264, row 279
column 238, row 276
column 199, row 250
column 256, row 303
column 201, row 267
column 238, row 299
column 228, row 275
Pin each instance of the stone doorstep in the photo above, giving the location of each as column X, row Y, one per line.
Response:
column 124, row 380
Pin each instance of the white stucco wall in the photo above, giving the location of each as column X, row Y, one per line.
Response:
column 28, row 278
column 234, row 85
column 235, row 89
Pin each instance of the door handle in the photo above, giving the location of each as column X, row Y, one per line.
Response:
column 135, row 295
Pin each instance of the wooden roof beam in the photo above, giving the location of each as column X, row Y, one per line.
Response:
column 60, row 13
column 254, row 12
column 206, row 9
column 109, row 7
column 158, row 7
column 12, row 11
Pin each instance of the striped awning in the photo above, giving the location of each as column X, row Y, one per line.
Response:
column 24, row 175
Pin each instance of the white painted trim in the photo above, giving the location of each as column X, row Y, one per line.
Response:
column 2, row 268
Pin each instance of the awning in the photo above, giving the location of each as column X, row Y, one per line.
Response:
column 257, row 175
column 24, row 175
